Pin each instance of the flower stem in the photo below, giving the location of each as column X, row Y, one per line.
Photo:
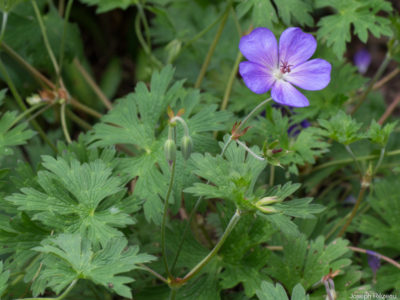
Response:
column 26, row 112
column 62, row 48
column 381, row 157
column 348, row 149
column 64, row 124
column 227, row 143
column 232, row 223
column 45, row 39
column 389, row 110
column 212, row 46
column 251, row 152
column 164, row 220
column 231, row 79
column 151, row 271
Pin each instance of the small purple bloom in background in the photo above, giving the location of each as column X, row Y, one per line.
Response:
column 373, row 261
column 278, row 68
column 362, row 60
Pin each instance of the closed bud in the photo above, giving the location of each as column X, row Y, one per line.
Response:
column 187, row 145
column 170, row 150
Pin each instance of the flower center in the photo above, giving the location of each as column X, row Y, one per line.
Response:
column 285, row 67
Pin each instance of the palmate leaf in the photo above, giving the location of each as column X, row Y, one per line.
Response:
column 361, row 14
column 308, row 262
column 69, row 257
column 382, row 228
column 76, row 197
column 12, row 136
column 268, row 291
column 264, row 13
column 3, row 278
column 136, row 120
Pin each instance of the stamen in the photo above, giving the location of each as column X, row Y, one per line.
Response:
column 285, row 67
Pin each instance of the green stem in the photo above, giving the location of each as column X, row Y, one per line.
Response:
column 196, row 206
column 370, row 86
column 164, row 221
column 64, row 124
column 66, row 17
column 212, row 46
column 232, row 223
column 22, row 105
column 45, row 38
column 3, row 26
column 82, row 123
column 348, row 149
column 348, row 160
column 381, row 156
column 231, row 79
column 151, row 271
column 145, row 23
column 271, row 175
column 173, row 293
column 26, row 112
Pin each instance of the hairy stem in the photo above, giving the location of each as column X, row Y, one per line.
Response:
column 231, row 79
column 64, row 124
column 151, row 271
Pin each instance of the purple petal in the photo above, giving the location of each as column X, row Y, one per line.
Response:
column 256, row 77
column 362, row 60
column 284, row 93
column 295, row 46
column 260, row 47
column 312, row 75
column 373, row 261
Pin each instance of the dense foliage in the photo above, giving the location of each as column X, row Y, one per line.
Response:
column 137, row 163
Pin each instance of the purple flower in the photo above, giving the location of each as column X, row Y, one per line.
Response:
column 362, row 60
column 373, row 261
column 279, row 69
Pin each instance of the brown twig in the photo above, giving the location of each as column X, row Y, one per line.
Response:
column 385, row 79
column 389, row 110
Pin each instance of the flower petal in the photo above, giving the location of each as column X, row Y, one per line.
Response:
column 312, row 75
column 256, row 77
column 296, row 46
column 260, row 46
column 284, row 93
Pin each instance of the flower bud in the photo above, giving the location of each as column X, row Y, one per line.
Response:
column 34, row 99
column 187, row 145
column 170, row 150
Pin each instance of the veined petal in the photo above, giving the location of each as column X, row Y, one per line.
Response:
column 284, row 93
column 256, row 77
column 296, row 46
column 260, row 46
column 312, row 75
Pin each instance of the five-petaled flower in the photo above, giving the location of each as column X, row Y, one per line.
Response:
column 279, row 68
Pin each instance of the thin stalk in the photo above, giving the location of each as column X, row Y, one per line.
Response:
column 61, row 6
column 86, row 109
column 64, row 124
column 198, row 201
column 231, row 79
column 232, row 223
column 38, row 113
column 145, row 23
column 62, row 296
column 370, row 86
column 22, row 105
column 381, row 156
column 173, row 293
column 212, row 46
column 66, row 17
column 3, row 26
column 271, row 175
column 92, row 84
column 251, row 152
column 78, row 120
column 389, row 110
column 164, row 221
column 348, row 160
column 348, row 149
column 45, row 38
column 360, row 197
column 151, row 271
column 385, row 79
column 26, row 113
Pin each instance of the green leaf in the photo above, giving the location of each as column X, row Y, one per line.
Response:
column 268, row 291
column 12, row 136
column 3, row 278
column 306, row 263
column 382, row 226
column 70, row 258
column 76, row 197
column 136, row 120
column 107, row 5
column 361, row 14
column 289, row 11
column 380, row 135
column 342, row 128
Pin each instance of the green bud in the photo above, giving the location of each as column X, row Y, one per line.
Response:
column 170, row 150
column 187, row 145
